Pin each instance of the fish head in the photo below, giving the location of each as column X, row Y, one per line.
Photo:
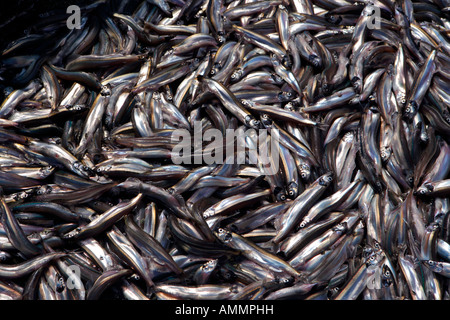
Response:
column 424, row 189
column 410, row 111
column 434, row 265
column 333, row 18
column 340, row 228
column 446, row 116
column 385, row 153
column 279, row 193
column 357, row 84
column 252, row 122
column 315, row 61
column 277, row 79
column 44, row 172
column 210, row 265
column 305, row 171
column 292, row 190
column 432, row 227
column 326, row 179
column 387, row 278
column 285, row 281
column 237, row 75
column 224, row 235
column 266, row 121
column 373, row 259
column 286, row 96
column 72, row 234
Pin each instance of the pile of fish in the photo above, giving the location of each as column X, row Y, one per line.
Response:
column 93, row 205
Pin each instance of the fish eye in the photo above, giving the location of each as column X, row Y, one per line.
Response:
column 254, row 123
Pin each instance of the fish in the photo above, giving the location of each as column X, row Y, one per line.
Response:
column 226, row 150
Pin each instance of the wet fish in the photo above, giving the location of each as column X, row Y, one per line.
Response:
column 335, row 184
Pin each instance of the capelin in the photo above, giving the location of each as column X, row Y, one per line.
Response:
column 315, row 61
column 46, row 171
column 106, row 90
column 210, row 265
column 286, row 61
column 252, row 123
column 401, row 100
column 60, row 284
column 266, row 121
column 446, row 116
column 340, row 228
column 72, row 234
column 224, row 235
column 305, row 171
column 286, row 96
column 280, row 195
column 410, row 111
column 327, row 89
column 326, row 179
column 434, row 265
column 385, row 153
column 131, row 184
column 373, row 259
column 221, row 37
column 236, row 75
column 432, row 227
column 410, row 178
column 290, row 106
column 423, row 190
column 357, row 84
column 278, row 80
column 215, row 69
column 387, row 278
column 77, row 107
column 292, row 190
column 424, row 137
column 333, row 18
column 304, row 223
column 42, row 190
